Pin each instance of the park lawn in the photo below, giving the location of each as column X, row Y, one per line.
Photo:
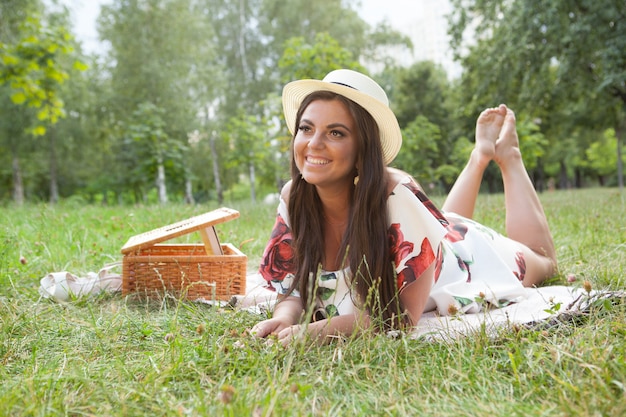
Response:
column 114, row 355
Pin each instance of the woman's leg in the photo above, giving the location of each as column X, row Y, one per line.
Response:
column 462, row 196
column 525, row 219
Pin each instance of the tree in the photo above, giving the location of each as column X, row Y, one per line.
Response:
column 302, row 60
column 282, row 20
column 420, row 96
column 239, row 43
column 14, row 143
column 420, row 150
column 421, row 89
column 564, row 59
column 34, row 70
column 602, row 154
column 246, row 134
column 383, row 46
column 162, row 54
column 253, row 34
column 241, row 50
column 151, row 149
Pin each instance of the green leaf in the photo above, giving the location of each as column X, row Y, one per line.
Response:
column 39, row 130
column 43, row 114
column 80, row 66
column 9, row 59
column 18, row 98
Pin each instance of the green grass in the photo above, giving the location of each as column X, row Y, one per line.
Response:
column 112, row 355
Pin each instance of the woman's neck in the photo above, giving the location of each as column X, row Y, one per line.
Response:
column 336, row 207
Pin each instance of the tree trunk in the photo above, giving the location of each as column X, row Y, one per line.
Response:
column 216, row 169
column 18, row 185
column 563, row 181
column 620, row 163
column 578, row 178
column 54, row 185
column 252, row 182
column 188, row 191
column 160, row 181
column 242, row 40
column 215, row 163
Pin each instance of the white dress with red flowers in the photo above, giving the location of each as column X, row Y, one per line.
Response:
column 475, row 265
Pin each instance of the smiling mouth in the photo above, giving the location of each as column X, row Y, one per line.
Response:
column 317, row 161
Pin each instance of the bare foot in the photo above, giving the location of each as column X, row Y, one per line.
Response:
column 507, row 145
column 488, row 126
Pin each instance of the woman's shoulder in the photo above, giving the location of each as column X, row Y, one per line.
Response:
column 397, row 176
column 284, row 192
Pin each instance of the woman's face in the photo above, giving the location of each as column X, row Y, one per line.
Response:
column 325, row 145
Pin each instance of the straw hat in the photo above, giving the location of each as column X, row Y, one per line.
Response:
column 357, row 87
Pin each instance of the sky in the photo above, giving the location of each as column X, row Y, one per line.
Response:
column 84, row 14
column 421, row 20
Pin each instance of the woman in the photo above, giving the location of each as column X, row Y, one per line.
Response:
column 357, row 243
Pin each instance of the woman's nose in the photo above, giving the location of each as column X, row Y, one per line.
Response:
column 316, row 140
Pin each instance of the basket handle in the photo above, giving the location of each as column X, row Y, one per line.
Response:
column 211, row 241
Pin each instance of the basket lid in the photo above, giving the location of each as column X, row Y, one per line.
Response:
column 197, row 223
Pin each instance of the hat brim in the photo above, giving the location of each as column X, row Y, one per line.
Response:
column 390, row 135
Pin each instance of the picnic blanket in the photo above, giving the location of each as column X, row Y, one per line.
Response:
column 535, row 307
column 539, row 305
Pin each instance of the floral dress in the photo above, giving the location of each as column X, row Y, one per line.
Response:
column 475, row 266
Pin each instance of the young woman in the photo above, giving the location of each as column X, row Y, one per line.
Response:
column 357, row 243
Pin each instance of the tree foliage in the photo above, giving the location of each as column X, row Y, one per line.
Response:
column 160, row 58
column 186, row 95
column 420, row 149
column 37, row 55
column 562, row 62
column 420, row 96
column 302, row 60
column 602, row 155
column 32, row 67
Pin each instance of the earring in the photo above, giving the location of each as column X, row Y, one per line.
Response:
column 356, row 180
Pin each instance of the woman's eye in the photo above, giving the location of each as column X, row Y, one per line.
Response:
column 336, row 133
column 304, row 128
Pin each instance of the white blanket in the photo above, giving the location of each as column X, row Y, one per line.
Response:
column 540, row 304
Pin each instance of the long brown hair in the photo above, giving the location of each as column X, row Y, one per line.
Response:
column 366, row 241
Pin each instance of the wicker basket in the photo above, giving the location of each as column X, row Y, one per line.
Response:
column 193, row 271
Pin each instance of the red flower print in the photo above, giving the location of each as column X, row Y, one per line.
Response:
column 416, row 266
column 521, row 266
column 400, row 248
column 465, row 266
column 278, row 255
column 456, row 232
column 426, row 202
column 439, row 264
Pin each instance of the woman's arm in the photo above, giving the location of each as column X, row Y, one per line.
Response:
column 322, row 331
column 415, row 295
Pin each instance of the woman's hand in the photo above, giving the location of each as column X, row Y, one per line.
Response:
column 322, row 331
column 267, row 327
column 286, row 314
column 291, row 333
